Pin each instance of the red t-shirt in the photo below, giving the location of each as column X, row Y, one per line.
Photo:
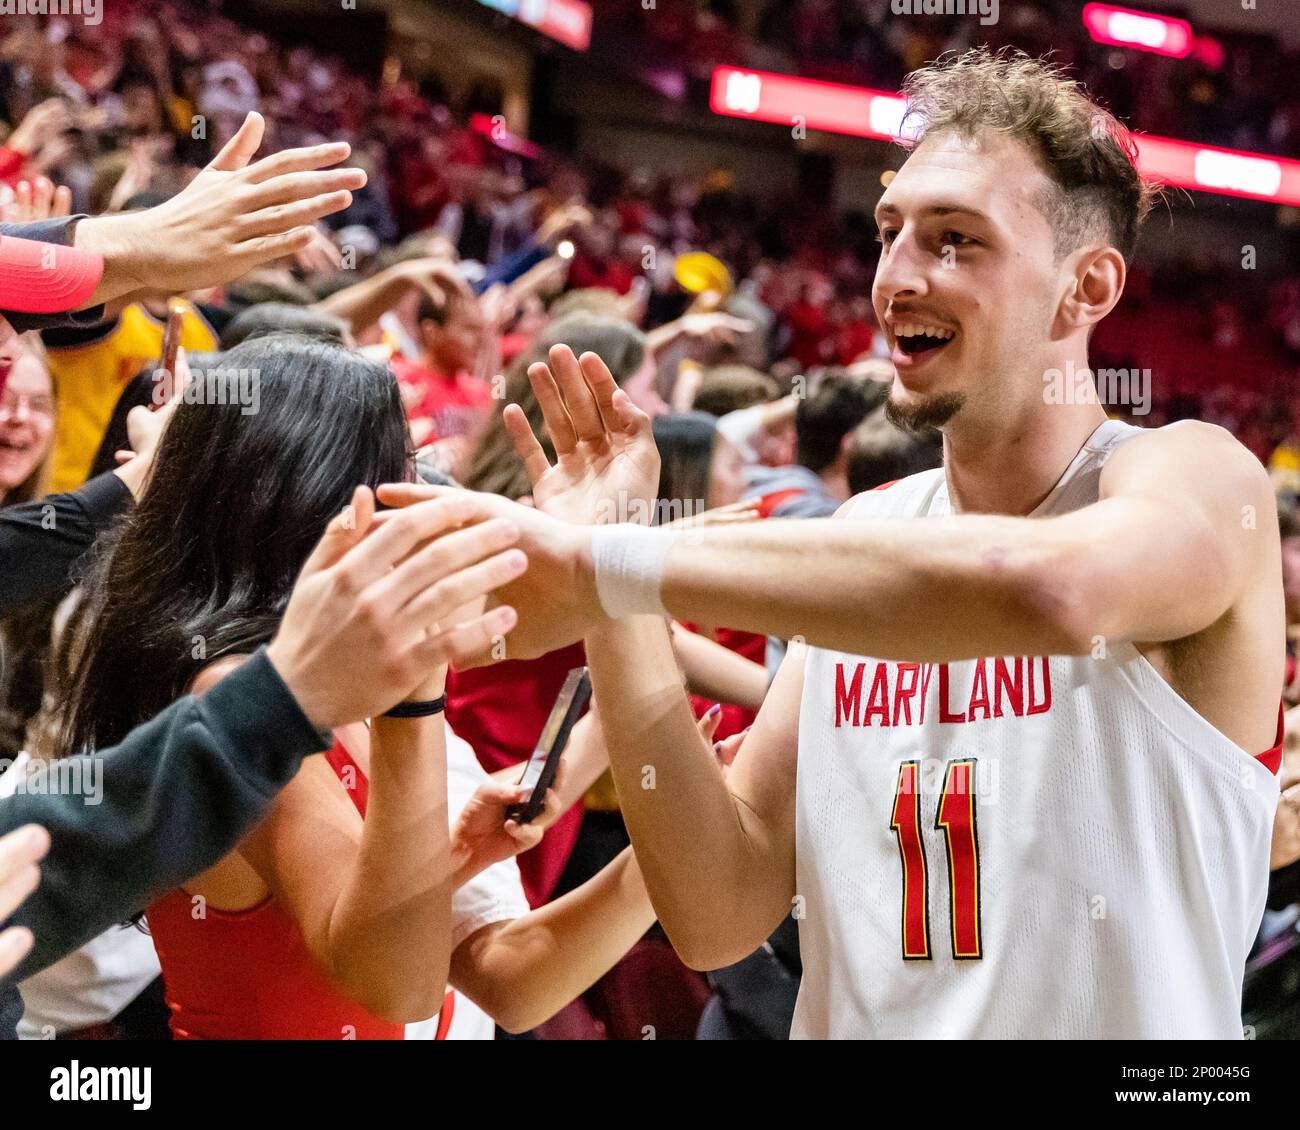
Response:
column 587, row 272
column 734, row 718
column 452, row 406
column 248, row 974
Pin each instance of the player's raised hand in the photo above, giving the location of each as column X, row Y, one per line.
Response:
column 374, row 609
column 555, row 598
column 606, row 463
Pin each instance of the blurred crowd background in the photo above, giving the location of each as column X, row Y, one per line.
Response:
column 446, row 165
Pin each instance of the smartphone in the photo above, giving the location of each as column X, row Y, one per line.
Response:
column 170, row 348
column 539, row 773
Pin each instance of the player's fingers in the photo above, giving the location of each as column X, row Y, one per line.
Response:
column 443, row 558
column 558, row 424
column 444, row 596
column 15, row 944
column 293, row 187
column 24, row 845
column 396, row 537
column 527, row 448
column 578, row 398
column 602, row 386
column 62, row 205
column 265, row 248
column 286, row 217
column 400, row 495
column 629, row 419
column 20, row 852
column 299, row 160
column 16, row 886
column 42, row 197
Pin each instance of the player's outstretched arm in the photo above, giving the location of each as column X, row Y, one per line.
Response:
column 1182, row 532
column 1177, row 537
column 717, row 855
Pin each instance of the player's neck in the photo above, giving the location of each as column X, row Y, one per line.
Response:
column 1009, row 465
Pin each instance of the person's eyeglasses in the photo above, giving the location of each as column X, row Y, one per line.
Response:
column 12, row 403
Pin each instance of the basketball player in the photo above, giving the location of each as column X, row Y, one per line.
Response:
column 1014, row 788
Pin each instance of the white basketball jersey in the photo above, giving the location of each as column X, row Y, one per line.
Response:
column 1021, row 847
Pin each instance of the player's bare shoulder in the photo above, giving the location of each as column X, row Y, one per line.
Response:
column 1202, row 465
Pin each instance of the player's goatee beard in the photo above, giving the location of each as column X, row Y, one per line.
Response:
column 933, row 412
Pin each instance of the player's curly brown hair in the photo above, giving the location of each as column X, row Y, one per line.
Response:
column 1088, row 155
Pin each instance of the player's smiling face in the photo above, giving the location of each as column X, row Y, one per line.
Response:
column 967, row 281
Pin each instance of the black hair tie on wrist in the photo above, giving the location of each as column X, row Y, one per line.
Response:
column 418, row 709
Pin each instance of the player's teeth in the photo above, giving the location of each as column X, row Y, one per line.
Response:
column 912, row 329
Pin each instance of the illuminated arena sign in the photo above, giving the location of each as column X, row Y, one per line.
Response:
column 568, row 21
column 1122, row 27
column 860, row 112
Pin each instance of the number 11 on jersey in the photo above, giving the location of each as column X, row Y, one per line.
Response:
column 956, row 819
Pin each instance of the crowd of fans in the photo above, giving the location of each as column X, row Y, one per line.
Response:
column 1229, row 90
column 130, row 91
column 454, row 265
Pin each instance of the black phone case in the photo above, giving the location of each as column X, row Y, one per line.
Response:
column 526, row 812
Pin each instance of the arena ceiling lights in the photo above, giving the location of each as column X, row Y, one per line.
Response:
column 859, row 112
column 1123, row 27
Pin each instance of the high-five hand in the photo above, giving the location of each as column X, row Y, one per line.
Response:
column 555, row 598
column 606, row 470
column 230, row 218
column 606, row 463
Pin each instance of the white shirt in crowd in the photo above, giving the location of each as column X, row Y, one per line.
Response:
column 493, row 895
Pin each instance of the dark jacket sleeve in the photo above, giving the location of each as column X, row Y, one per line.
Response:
column 512, row 267
column 175, row 797
column 41, row 542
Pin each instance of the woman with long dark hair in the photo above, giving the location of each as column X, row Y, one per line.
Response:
column 699, row 468
column 332, row 919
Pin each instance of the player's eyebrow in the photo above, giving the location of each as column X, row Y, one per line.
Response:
column 892, row 211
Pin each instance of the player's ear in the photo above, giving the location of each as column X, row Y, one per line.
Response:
column 1094, row 286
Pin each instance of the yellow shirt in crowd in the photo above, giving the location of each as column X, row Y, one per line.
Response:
column 89, row 378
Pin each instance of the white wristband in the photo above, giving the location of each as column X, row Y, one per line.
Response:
column 629, row 563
